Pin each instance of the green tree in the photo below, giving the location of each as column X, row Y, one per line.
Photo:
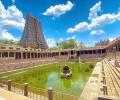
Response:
column 9, row 42
column 68, row 44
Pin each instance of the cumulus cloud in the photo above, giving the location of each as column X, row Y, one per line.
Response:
column 105, row 19
column 58, row 10
column 111, row 39
column 79, row 27
column 6, row 35
column 10, row 18
column 95, row 20
column 97, row 32
column 61, row 39
column 51, row 42
column 94, row 10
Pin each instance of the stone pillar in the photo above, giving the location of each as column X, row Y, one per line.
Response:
column 40, row 56
column 91, row 52
column 9, row 85
column 27, row 55
column 59, row 54
column 117, row 47
column 45, row 55
column 50, row 94
column 25, row 89
column 75, row 53
column 105, row 89
column 101, row 51
column 2, row 55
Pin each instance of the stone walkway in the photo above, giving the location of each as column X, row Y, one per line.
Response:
column 7, row 95
column 92, row 87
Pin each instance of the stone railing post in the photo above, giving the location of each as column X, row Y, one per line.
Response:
column 25, row 89
column 50, row 93
column 105, row 89
column 9, row 85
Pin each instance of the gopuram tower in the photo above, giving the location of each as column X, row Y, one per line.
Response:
column 32, row 35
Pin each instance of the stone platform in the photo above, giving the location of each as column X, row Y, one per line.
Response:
column 7, row 95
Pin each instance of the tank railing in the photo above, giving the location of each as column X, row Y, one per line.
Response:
column 63, row 96
column 35, row 93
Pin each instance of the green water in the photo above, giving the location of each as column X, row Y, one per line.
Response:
column 49, row 76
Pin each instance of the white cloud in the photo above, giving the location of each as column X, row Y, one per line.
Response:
column 6, row 35
column 105, row 19
column 97, row 32
column 10, row 18
column 61, row 39
column 93, row 11
column 72, row 37
column 79, row 27
column 111, row 39
column 95, row 20
column 58, row 10
column 51, row 42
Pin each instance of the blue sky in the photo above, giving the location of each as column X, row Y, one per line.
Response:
column 85, row 20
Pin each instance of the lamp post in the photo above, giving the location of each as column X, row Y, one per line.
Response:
column 114, row 52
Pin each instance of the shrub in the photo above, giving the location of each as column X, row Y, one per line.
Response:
column 91, row 66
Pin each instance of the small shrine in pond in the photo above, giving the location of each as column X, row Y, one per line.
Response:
column 66, row 72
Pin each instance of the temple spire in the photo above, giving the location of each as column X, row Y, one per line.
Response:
column 33, row 36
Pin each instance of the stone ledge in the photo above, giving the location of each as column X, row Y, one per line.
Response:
column 7, row 95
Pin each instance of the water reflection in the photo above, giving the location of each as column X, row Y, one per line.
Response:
column 72, row 85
